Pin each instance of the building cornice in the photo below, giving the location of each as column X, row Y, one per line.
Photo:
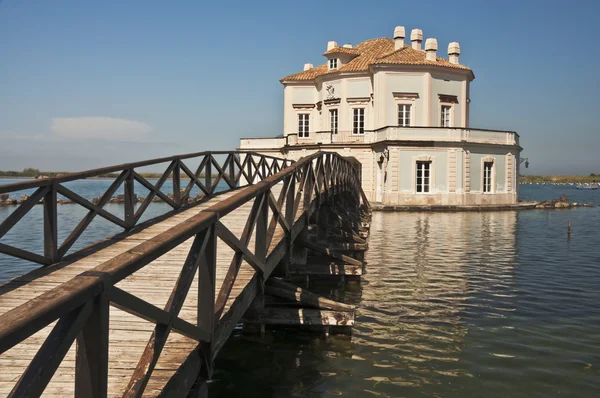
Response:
column 303, row 106
column 435, row 69
column 332, row 101
column 406, row 96
column 451, row 99
column 341, row 75
column 326, row 77
column 358, row 100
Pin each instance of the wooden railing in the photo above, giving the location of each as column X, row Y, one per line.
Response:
column 81, row 305
column 238, row 169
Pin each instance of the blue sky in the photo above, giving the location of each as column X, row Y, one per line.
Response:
column 158, row 78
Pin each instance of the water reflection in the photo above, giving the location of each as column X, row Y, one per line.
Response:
column 452, row 305
column 429, row 275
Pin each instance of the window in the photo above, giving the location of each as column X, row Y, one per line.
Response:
column 333, row 117
column 403, row 115
column 423, row 176
column 333, row 63
column 487, row 176
column 303, row 125
column 358, row 126
column 445, row 117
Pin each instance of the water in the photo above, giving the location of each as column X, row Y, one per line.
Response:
column 529, row 192
column 28, row 234
column 498, row 304
column 494, row 304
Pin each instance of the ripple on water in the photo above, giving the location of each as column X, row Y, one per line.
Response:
column 453, row 305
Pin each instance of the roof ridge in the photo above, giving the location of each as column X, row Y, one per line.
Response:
column 392, row 52
column 376, row 51
column 370, row 40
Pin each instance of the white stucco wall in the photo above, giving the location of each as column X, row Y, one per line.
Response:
column 446, row 85
column 322, row 88
column 352, row 87
column 407, row 160
column 358, row 88
column 304, row 95
column 401, row 82
column 383, row 109
column 453, row 181
column 477, row 172
column 295, row 95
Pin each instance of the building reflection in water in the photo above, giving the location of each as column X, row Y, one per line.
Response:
column 432, row 277
column 431, row 280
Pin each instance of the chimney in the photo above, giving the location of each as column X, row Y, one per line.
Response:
column 399, row 35
column 431, row 47
column 331, row 45
column 416, row 37
column 347, row 46
column 453, row 52
column 308, row 66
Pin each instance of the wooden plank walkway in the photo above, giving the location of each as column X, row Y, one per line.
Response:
column 128, row 334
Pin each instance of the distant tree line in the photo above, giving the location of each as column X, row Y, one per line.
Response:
column 30, row 172
column 27, row 172
column 561, row 179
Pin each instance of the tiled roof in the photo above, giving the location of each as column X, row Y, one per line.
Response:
column 375, row 52
column 342, row 50
column 408, row 56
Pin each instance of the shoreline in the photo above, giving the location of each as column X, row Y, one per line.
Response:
column 94, row 178
column 33, row 178
column 453, row 208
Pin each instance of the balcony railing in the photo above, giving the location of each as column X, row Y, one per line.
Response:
column 390, row 133
column 394, row 133
column 260, row 143
column 349, row 136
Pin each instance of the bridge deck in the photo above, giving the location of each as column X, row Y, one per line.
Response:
column 128, row 334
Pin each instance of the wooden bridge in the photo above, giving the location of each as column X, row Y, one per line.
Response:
column 145, row 312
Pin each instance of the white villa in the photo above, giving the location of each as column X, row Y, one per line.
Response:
column 403, row 113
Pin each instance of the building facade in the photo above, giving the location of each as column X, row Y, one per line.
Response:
column 403, row 113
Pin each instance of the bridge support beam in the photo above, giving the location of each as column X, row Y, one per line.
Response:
column 298, row 252
column 91, row 368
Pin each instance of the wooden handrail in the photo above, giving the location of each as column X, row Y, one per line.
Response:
column 19, row 186
column 306, row 182
column 111, row 272
column 231, row 171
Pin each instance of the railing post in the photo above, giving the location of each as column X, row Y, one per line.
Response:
column 232, row 168
column 177, row 183
column 51, row 224
column 289, row 217
column 263, row 166
column 260, row 251
column 206, row 296
column 91, row 366
column 129, row 193
column 289, row 200
column 308, row 188
column 249, row 164
column 298, row 252
column 262, row 221
column 208, row 174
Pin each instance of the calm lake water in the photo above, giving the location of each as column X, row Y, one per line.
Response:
column 498, row 304
column 27, row 234
column 493, row 304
